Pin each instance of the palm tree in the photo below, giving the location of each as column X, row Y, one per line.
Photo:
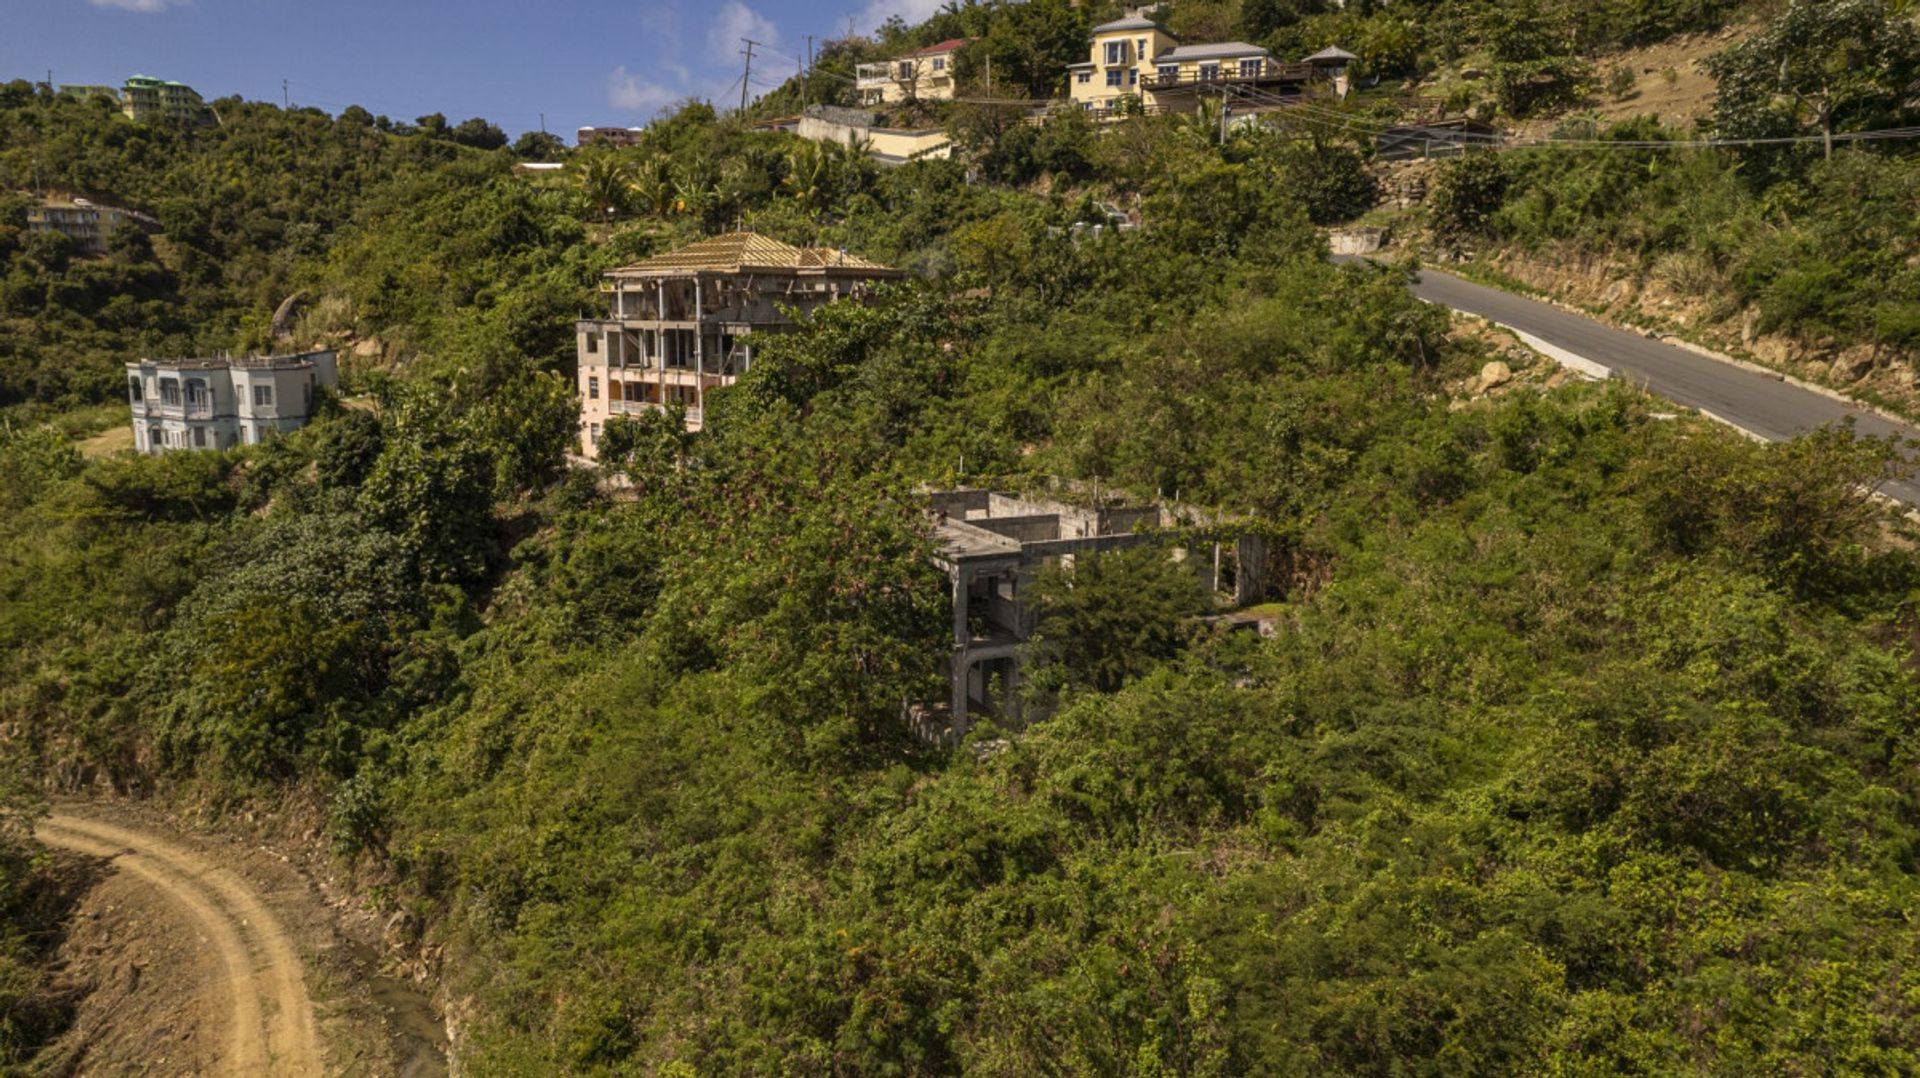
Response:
column 810, row 176
column 604, row 180
column 652, row 186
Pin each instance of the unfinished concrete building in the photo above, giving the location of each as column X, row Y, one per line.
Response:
column 686, row 322
column 991, row 546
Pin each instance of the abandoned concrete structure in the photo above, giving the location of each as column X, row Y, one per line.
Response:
column 685, row 322
column 992, row 544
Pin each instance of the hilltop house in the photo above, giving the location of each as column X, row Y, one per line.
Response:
column 89, row 225
column 616, row 137
column 923, row 75
column 1135, row 61
column 147, row 99
column 218, row 403
column 685, row 322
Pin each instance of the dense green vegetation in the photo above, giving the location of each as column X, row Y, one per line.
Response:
column 1822, row 244
column 1585, row 742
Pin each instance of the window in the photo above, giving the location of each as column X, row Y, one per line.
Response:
column 593, row 389
column 199, row 437
column 263, row 396
column 1249, row 69
column 1116, row 52
column 1113, row 76
column 593, row 433
column 1170, row 72
column 939, row 63
column 133, row 390
column 905, row 69
column 1140, row 48
column 593, row 344
column 1084, row 77
column 1133, row 76
column 197, row 394
column 170, row 391
column 1209, row 72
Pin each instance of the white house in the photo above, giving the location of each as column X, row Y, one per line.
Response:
column 217, row 403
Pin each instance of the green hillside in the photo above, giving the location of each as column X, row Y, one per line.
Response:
column 1585, row 742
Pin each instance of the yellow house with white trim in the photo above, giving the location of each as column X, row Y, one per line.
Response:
column 1121, row 57
column 1136, row 61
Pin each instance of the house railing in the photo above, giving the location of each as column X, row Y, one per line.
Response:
column 1229, row 76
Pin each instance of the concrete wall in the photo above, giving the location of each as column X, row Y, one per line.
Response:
column 881, row 141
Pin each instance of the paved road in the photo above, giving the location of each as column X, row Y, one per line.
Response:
column 1758, row 403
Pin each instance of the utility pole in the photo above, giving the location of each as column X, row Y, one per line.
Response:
column 806, row 83
column 286, row 101
column 543, row 123
column 746, row 74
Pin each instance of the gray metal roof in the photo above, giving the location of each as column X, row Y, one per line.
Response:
column 1219, row 50
column 1132, row 23
column 1332, row 52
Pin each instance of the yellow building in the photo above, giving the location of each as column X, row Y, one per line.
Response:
column 924, row 75
column 1135, row 62
column 1121, row 57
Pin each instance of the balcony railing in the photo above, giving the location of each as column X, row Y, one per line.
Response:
column 1229, row 76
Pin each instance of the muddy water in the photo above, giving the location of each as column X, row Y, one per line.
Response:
column 419, row 1038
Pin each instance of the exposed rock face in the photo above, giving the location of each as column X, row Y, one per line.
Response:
column 286, row 314
column 1676, row 297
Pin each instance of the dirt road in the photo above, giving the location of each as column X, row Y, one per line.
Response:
column 263, row 1020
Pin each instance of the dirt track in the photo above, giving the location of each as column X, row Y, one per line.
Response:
column 262, row 1021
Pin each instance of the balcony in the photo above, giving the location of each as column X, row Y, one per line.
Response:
column 1224, row 76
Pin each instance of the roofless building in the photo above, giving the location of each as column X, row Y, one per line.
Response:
column 686, row 322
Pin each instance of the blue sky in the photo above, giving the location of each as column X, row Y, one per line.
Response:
column 577, row 61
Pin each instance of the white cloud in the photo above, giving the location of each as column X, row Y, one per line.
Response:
column 630, row 93
column 735, row 21
column 914, row 11
column 139, row 5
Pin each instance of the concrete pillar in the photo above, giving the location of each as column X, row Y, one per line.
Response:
column 1250, row 582
column 962, row 580
column 957, row 691
column 699, row 353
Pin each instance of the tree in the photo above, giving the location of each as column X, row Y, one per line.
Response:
column 603, row 180
column 1828, row 65
column 1111, row 616
column 1262, row 17
column 479, row 134
column 538, row 146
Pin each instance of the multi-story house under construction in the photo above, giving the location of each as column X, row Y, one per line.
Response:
column 686, row 322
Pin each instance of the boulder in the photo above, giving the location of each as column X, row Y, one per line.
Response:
column 1495, row 374
column 285, row 315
